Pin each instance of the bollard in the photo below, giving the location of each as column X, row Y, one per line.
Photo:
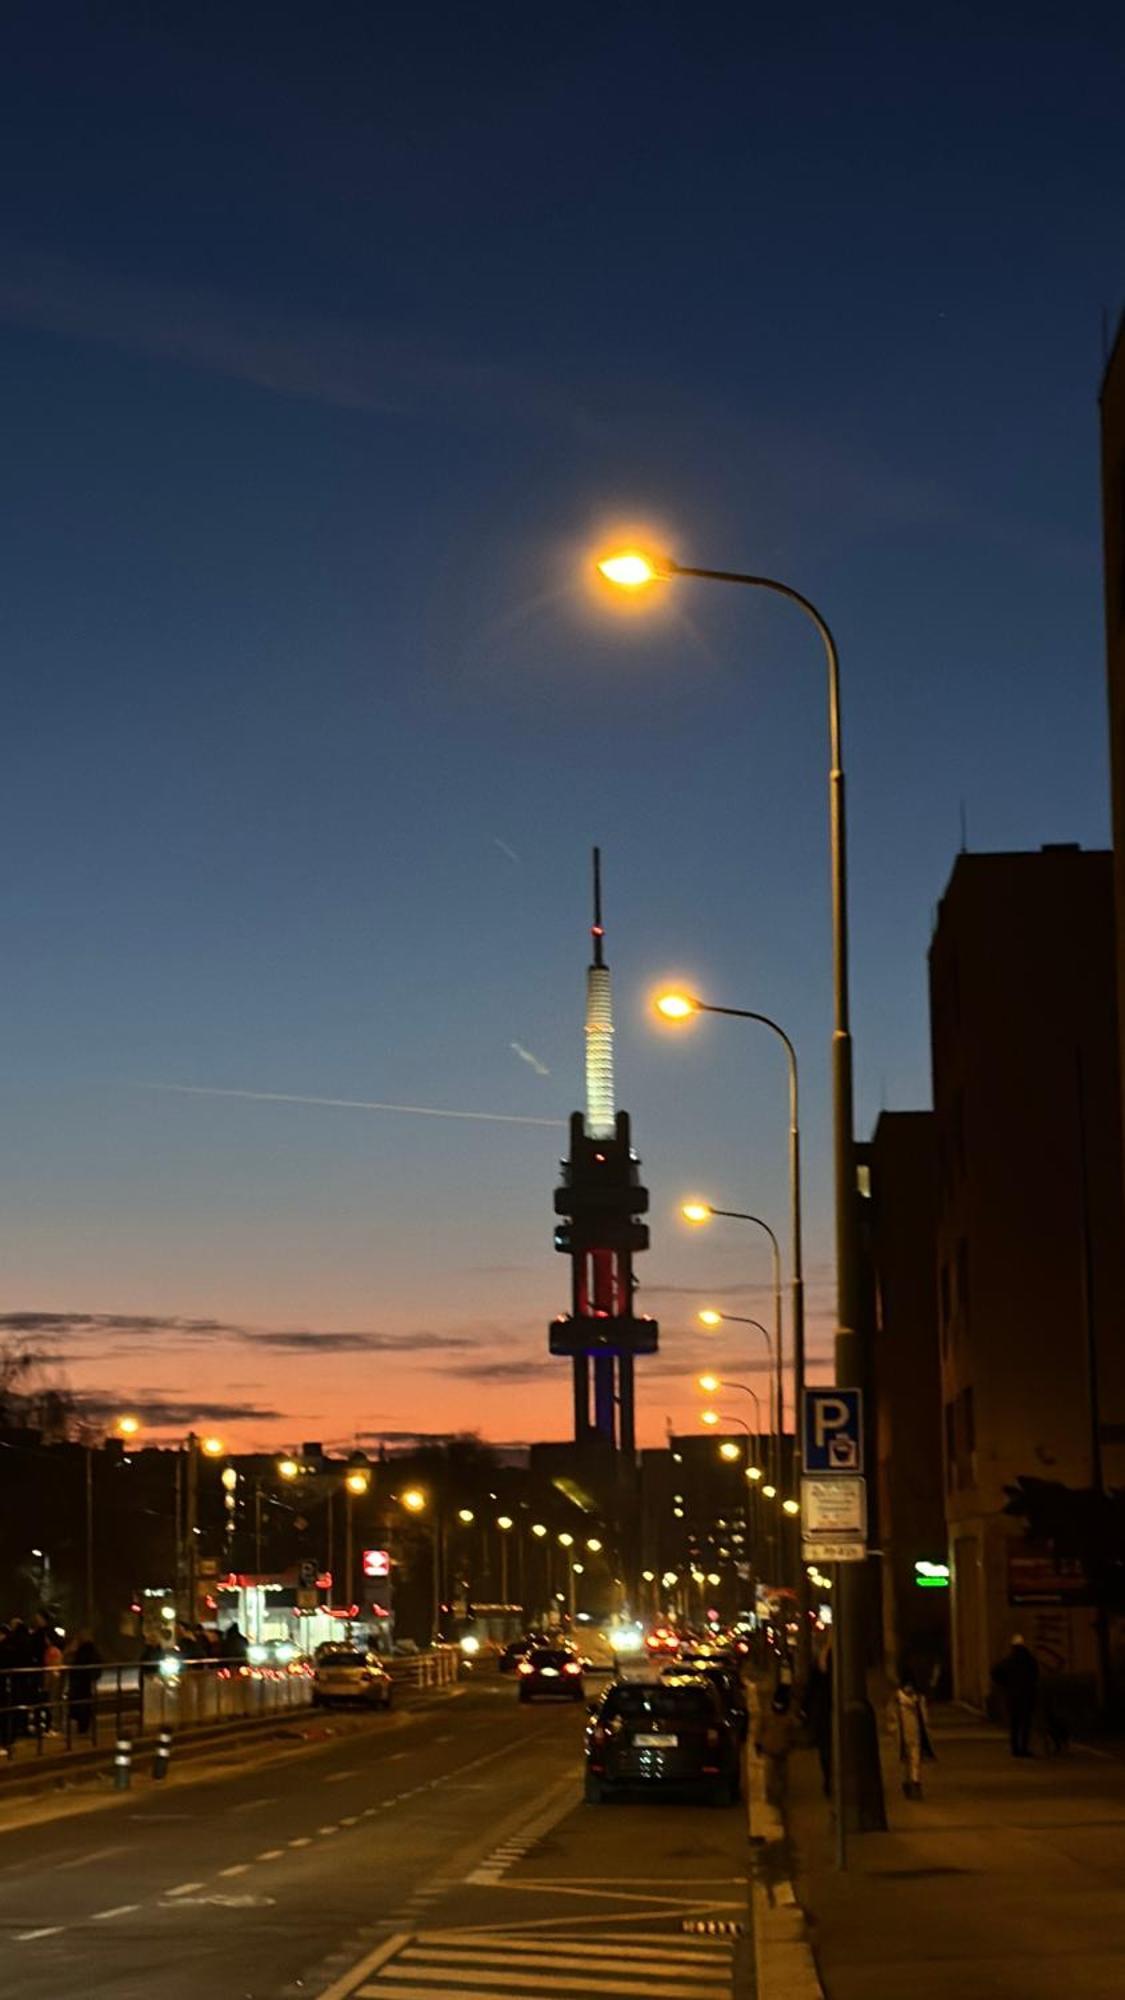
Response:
column 123, row 1765
column 161, row 1754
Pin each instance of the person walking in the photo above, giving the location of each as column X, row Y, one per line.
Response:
column 1017, row 1676
column 85, row 1673
column 908, row 1716
column 773, row 1743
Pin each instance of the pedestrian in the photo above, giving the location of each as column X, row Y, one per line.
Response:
column 773, row 1743
column 52, row 1684
column 908, row 1716
column 85, row 1673
column 1017, row 1676
column 234, row 1644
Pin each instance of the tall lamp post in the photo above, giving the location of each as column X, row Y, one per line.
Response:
column 357, row 1481
column 710, row 1385
column 860, row 1777
column 709, row 1317
column 684, row 1007
column 566, row 1541
column 416, row 1502
column 698, row 1212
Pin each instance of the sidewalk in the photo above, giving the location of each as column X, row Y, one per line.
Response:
column 1006, row 1882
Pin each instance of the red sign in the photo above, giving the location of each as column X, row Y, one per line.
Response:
column 376, row 1562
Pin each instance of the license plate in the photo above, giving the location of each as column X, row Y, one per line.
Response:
column 656, row 1742
column 549, row 1673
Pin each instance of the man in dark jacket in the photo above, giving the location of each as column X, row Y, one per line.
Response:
column 1017, row 1674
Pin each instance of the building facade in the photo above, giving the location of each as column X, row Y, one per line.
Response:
column 1030, row 1272
column 1113, row 537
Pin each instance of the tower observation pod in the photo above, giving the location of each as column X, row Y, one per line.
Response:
column 599, row 1207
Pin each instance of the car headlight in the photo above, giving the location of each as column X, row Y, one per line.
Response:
column 470, row 1643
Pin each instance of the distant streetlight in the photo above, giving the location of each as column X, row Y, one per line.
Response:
column 566, row 1541
column 288, row 1468
column 539, row 1530
column 729, row 1450
column 696, row 1211
column 710, row 1384
column 594, row 1545
column 709, row 1417
column 791, row 1506
column 212, row 1447
column 466, row 1516
column 414, row 1500
column 127, row 1426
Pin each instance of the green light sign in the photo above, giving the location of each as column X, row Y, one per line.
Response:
column 931, row 1576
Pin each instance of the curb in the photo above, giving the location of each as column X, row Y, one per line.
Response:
column 783, row 1956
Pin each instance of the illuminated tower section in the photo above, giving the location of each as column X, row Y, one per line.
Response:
column 599, row 1205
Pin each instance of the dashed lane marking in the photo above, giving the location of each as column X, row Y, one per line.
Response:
column 122, row 1910
column 270, row 1854
column 302, row 1840
column 240, row 1868
column 28, row 1937
column 84, row 1860
column 337, row 1777
column 185, row 1889
column 324, row 1831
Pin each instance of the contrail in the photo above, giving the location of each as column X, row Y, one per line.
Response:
column 349, row 1104
column 526, row 1056
column 505, row 849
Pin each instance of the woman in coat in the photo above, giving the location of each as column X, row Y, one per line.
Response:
column 908, row 1714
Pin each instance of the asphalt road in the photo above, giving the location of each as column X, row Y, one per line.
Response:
column 443, row 1850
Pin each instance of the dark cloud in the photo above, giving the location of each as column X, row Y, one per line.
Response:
column 502, row 1371
column 141, row 1326
column 100, row 1406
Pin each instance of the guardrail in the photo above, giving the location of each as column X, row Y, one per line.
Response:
column 48, row 1712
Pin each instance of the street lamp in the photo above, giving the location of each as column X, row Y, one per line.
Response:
column 466, row 1516
column 505, row 1524
column 127, row 1426
column 288, row 1468
column 678, row 1006
column 859, row 1778
column 697, row 1212
column 729, row 1450
column 566, row 1541
column 357, row 1480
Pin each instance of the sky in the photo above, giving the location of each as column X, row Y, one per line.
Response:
column 336, row 343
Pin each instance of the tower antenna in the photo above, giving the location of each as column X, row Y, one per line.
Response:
column 597, row 929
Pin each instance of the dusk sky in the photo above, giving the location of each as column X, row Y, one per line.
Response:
column 337, row 341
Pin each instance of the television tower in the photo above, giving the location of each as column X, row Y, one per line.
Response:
column 598, row 1204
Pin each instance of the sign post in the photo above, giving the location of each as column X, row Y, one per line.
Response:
column 834, row 1530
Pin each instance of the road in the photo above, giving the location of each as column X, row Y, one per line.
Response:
column 442, row 1850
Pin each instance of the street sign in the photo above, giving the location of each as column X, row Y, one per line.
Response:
column 832, row 1430
column 834, row 1552
column 376, row 1562
column 834, row 1506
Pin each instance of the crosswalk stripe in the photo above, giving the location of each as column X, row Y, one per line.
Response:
column 504, row 1984
column 635, row 1967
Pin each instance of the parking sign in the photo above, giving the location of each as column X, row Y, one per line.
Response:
column 832, row 1430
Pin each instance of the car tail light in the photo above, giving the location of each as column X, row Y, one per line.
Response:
column 572, row 1667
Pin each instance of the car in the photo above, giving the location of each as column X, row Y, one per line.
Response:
column 350, row 1673
column 555, row 1672
column 727, row 1683
column 518, row 1650
column 667, row 1736
column 662, row 1639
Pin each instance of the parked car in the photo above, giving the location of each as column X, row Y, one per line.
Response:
column 727, row 1683
column 665, row 1736
column 555, row 1672
column 350, row 1673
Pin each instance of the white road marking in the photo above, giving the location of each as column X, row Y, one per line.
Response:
column 351, row 1819
column 122, row 1910
column 270, row 1854
column 185, row 1889
column 27, row 1937
column 84, row 1860
column 340, row 1988
column 327, row 1829
column 337, row 1777
column 302, row 1840
column 240, row 1868
column 248, row 1805
column 395, row 1755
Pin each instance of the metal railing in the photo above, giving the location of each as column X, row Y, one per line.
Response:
column 49, row 1711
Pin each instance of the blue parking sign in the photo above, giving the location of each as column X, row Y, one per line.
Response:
column 832, row 1430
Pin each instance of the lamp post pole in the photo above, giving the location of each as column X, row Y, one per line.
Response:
column 859, row 1772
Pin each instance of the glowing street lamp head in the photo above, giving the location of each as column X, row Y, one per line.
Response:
column 566, row 1541
column 770, row 1492
column 676, row 1006
column 707, row 1316
column 466, row 1516
column 538, row 1529
column 212, row 1447
column 288, row 1468
column 710, row 1384
column 594, row 1545
column 709, row 1417
column 753, row 1472
column 791, row 1506
column 729, row 1450
column 504, row 1522
column 357, row 1481
column 630, row 569
column 696, row 1211
column 414, row 1500
column 127, row 1426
